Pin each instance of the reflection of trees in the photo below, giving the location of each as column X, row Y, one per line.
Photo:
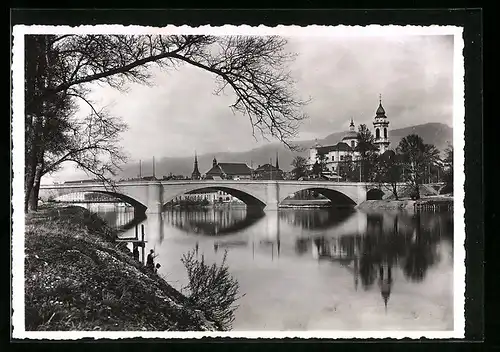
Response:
column 314, row 218
column 409, row 242
column 421, row 253
column 213, row 221
column 301, row 246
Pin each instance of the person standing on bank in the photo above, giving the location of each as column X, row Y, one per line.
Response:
column 150, row 261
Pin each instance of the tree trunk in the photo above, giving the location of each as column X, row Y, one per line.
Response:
column 33, row 202
column 28, row 188
column 35, row 62
column 395, row 191
column 30, row 173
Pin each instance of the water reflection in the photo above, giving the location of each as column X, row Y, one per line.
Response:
column 213, row 221
column 398, row 240
column 315, row 219
column 120, row 216
column 300, row 258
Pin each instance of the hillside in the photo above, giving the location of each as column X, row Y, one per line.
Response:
column 434, row 133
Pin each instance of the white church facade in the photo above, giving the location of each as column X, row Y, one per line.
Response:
column 346, row 149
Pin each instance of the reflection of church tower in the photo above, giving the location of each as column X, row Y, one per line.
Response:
column 385, row 283
column 196, row 173
column 381, row 125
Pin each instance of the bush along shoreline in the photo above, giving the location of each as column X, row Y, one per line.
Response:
column 428, row 204
column 78, row 278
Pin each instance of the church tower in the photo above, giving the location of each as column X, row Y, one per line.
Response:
column 381, row 125
column 351, row 137
column 196, row 173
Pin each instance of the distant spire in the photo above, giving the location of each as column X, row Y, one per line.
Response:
column 380, row 99
column 214, row 162
column 277, row 162
column 154, row 176
column 196, row 175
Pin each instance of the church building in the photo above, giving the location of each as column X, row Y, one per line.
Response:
column 228, row 171
column 346, row 149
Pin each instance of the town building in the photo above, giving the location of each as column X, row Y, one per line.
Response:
column 212, row 196
column 268, row 171
column 228, row 171
column 347, row 149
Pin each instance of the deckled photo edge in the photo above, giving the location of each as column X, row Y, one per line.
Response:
column 459, row 182
column 18, row 226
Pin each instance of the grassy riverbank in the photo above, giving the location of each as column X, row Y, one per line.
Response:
column 405, row 204
column 78, row 278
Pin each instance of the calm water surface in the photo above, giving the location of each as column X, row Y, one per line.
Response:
column 315, row 269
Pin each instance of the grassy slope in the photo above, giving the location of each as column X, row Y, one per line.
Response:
column 78, row 278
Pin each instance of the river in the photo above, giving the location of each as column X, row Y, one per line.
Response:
column 314, row 269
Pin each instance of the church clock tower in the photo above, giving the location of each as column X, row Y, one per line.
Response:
column 381, row 125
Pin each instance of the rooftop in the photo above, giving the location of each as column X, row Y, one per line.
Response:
column 266, row 168
column 340, row 146
column 230, row 169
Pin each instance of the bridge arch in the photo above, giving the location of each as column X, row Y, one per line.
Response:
column 138, row 206
column 247, row 197
column 375, row 194
column 336, row 197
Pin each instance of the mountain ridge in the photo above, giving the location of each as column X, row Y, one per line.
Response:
column 435, row 133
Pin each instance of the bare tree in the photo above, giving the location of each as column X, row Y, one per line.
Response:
column 367, row 153
column 299, row 164
column 63, row 67
column 389, row 171
column 416, row 156
column 448, row 169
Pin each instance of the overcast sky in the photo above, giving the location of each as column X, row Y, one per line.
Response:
column 342, row 76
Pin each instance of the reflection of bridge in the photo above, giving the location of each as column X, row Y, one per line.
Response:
column 153, row 195
column 213, row 221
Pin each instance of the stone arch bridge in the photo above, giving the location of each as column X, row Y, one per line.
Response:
column 151, row 196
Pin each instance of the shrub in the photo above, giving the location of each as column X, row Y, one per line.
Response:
column 212, row 289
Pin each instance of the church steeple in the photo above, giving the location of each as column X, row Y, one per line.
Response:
column 380, row 111
column 381, row 125
column 214, row 162
column 351, row 125
column 277, row 162
column 196, row 175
